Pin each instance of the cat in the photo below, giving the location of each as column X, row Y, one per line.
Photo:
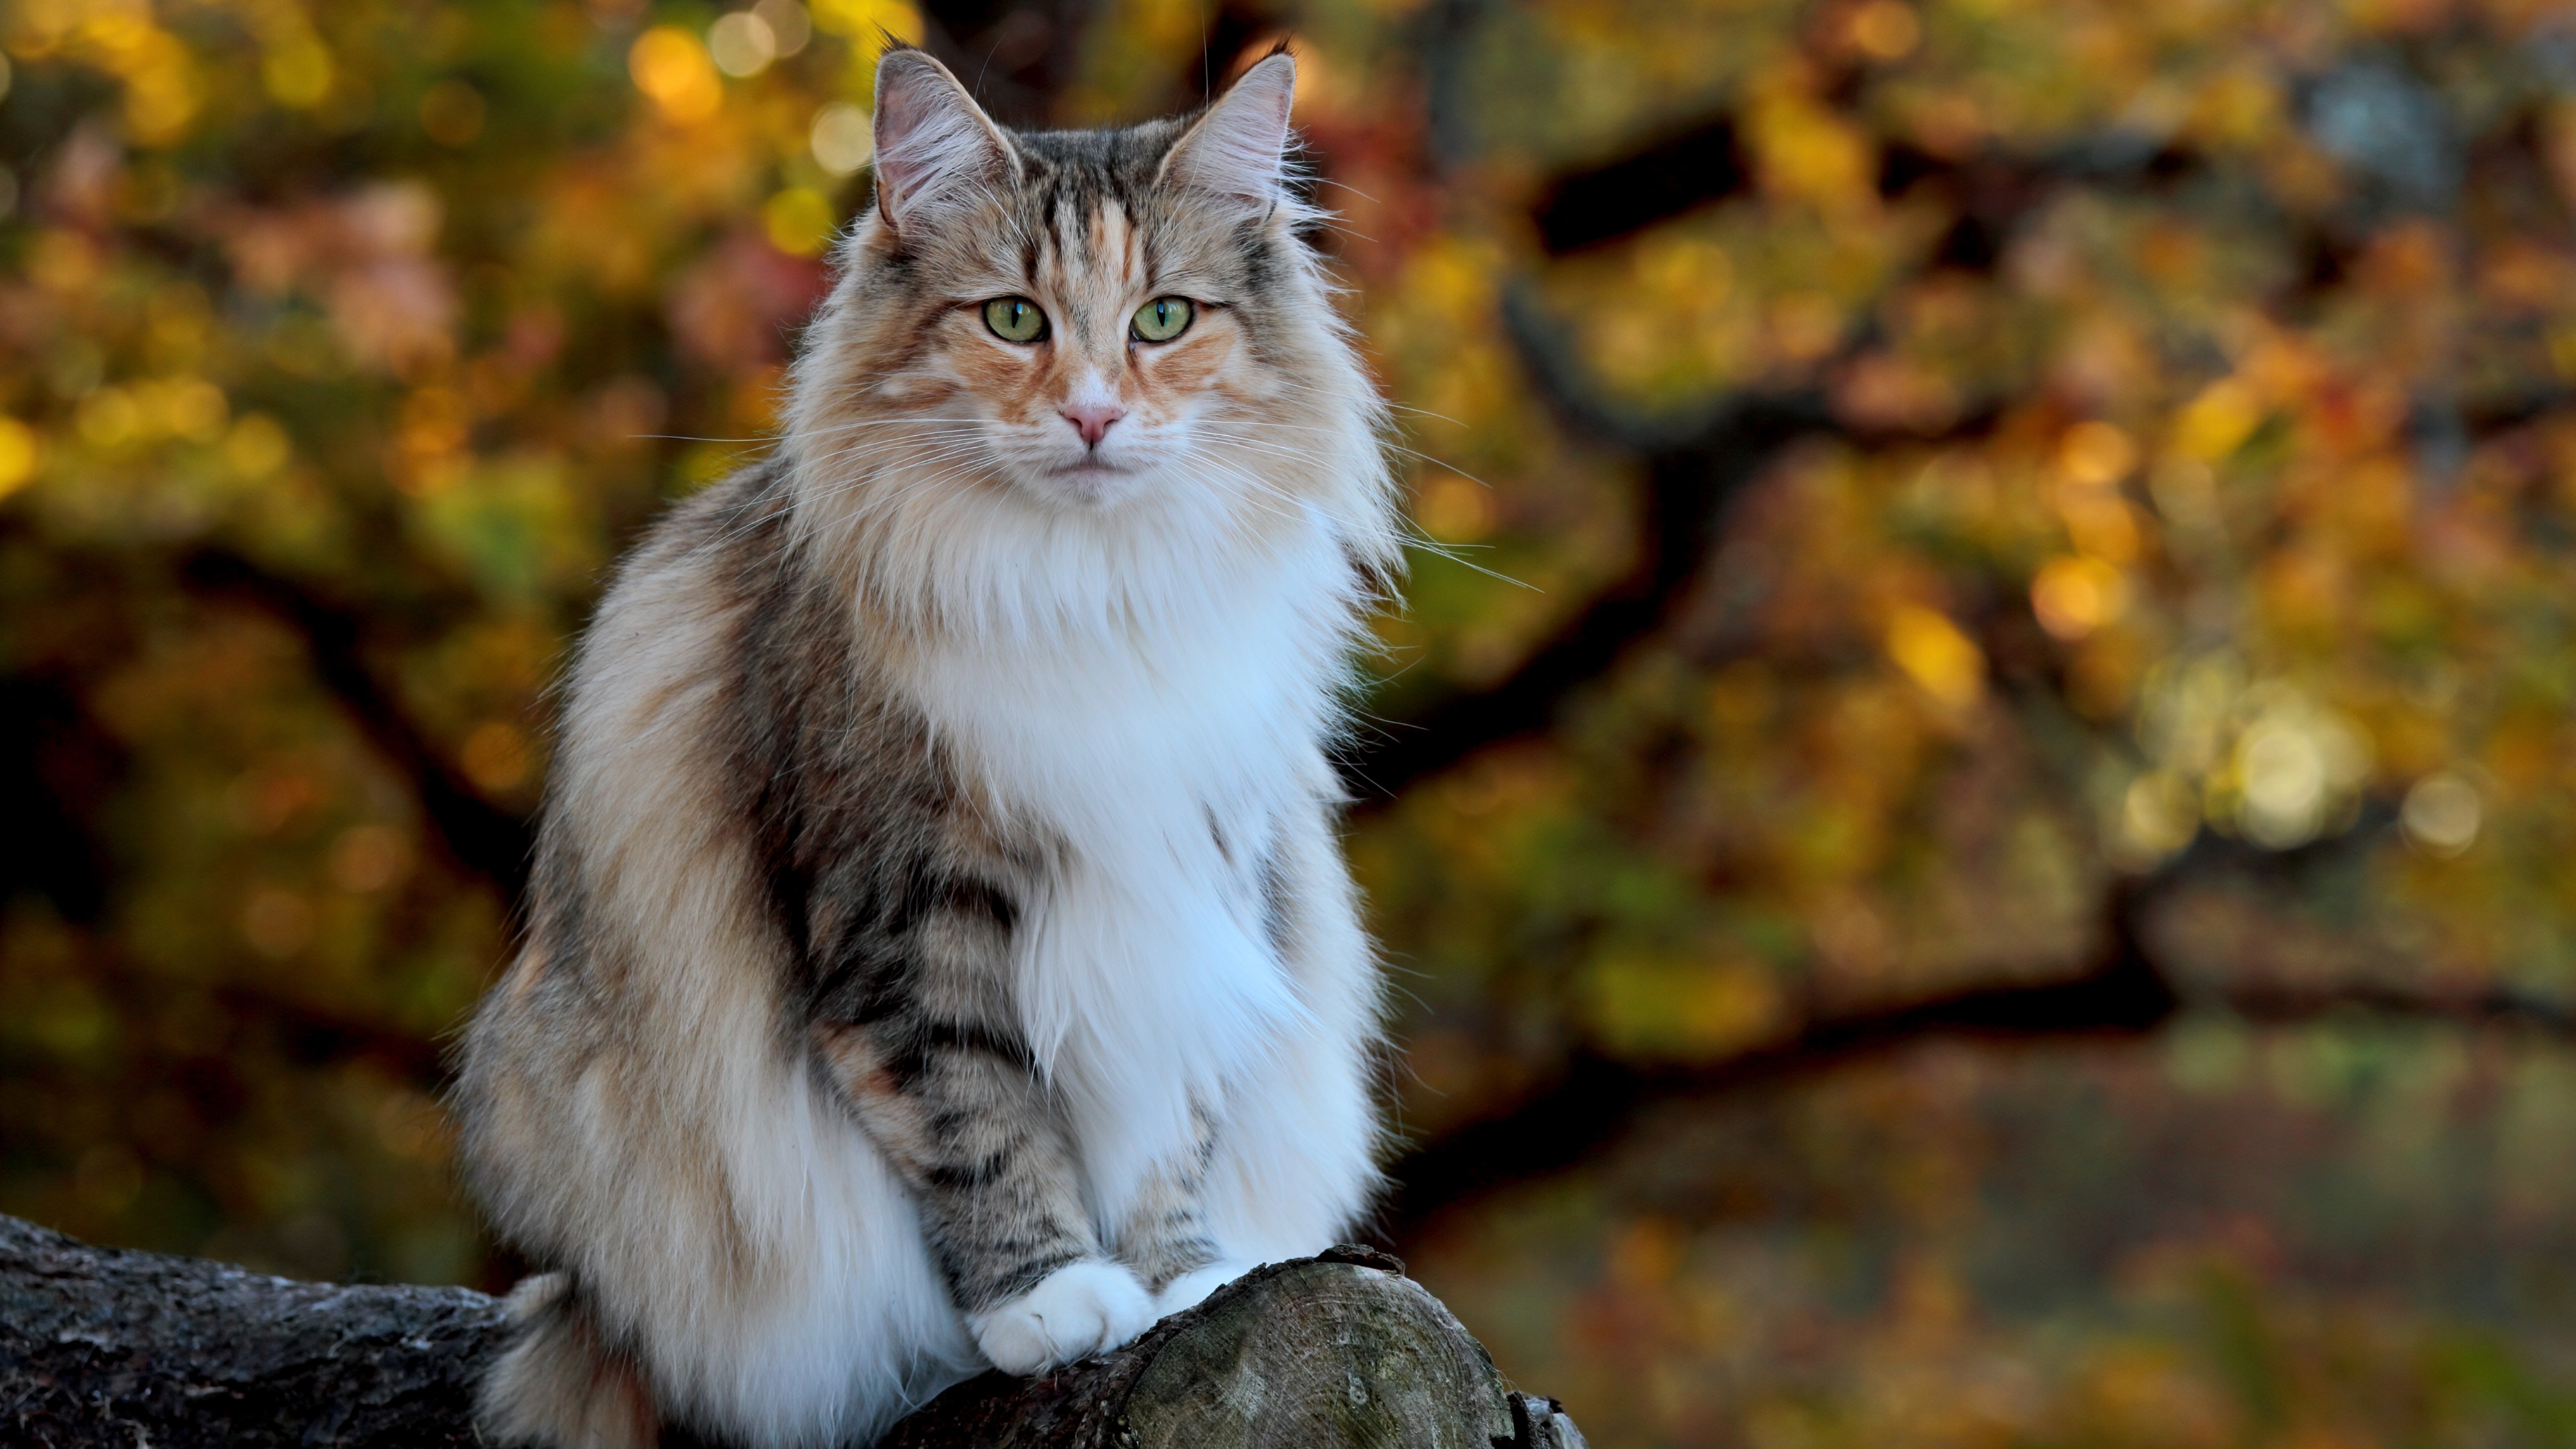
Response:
column 940, row 953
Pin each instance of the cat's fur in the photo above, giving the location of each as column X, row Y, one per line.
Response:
column 940, row 950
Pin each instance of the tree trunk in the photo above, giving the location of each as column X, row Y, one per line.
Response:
column 101, row 1347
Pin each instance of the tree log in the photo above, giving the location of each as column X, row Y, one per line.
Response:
column 103, row 1347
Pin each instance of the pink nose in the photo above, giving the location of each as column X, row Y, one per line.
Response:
column 1093, row 420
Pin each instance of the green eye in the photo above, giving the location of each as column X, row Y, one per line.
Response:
column 1015, row 319
column 1163, row 319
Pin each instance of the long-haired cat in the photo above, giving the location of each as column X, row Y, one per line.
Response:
column 940, row 951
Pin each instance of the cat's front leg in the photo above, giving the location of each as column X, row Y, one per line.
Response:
column 1164, row 1235
column 1074, row 1312
column 959, row 1111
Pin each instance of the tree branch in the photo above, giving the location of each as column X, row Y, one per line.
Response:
column 1689, row 169
column 100, row 1347
column 473, row 833
column 1687, row 490
column 1696, row 465
column 2124, row 992
column 1694, row 462
column 1599, row 1099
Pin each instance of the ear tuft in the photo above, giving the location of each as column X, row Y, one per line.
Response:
column 933, row 143
column 1239, row 147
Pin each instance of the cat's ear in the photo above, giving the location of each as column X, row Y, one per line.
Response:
column 933, row 143
column 1239, row 148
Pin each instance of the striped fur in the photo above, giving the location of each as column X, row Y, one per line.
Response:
column 941, row 953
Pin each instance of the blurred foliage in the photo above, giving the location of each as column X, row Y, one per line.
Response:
column 2187, row 458
column 2322, row 1237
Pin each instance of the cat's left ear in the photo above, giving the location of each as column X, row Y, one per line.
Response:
column 1239, row 148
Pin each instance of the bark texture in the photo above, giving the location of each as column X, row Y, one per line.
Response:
column 102, row 1347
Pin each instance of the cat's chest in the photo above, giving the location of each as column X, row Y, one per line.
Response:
column 1153, row 797
column 1158, row 785
column 1155, row 761
column 1139, row 761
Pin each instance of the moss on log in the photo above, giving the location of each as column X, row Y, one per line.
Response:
column 102, row 1347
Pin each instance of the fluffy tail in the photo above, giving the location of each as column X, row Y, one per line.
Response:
column 558, row 1385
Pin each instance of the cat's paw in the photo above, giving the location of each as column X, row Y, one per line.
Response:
column 1076, row 1311
column 1196, row 1284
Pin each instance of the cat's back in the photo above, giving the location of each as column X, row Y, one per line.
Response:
column 652, row 794
column 713, row 600
column 630, row 790
column 705, row 560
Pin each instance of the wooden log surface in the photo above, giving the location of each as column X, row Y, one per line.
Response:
column 104, row 1347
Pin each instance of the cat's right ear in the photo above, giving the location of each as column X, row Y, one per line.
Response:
column 934, row 145
column 1238, row 147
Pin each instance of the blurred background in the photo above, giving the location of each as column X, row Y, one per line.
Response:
column 1972, row 806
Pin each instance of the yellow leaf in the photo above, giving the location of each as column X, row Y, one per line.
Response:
column 297, row 73
column 671, row 67
column 19, row 452
column 2075, row 596
column 799, row 221
column 1928, row 647
column 2215, row 423
column 862, row 19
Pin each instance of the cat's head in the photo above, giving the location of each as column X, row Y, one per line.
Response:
column 1077, row 344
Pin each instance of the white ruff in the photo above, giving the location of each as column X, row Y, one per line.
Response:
column 1155, row 698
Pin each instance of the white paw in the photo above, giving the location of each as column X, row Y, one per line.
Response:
column 1076, row 1311
column 1186, row 1290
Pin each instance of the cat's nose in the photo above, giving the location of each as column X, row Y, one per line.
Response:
column 1092, row 420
